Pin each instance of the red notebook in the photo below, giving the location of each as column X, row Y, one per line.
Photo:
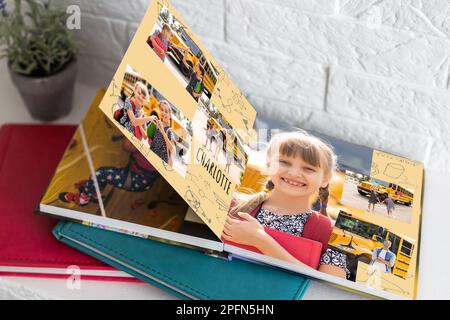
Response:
column 29, row 155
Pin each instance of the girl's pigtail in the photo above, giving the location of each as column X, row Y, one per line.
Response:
column 249, row 204
column 269, row 185
column 324, row 194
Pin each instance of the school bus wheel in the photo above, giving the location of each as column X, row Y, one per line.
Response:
column 361, row 193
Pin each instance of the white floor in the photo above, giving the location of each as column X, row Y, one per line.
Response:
column 434, row 281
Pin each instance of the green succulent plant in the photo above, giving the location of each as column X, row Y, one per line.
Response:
column 35, row 40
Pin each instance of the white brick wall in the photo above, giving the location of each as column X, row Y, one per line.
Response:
column 374, row 72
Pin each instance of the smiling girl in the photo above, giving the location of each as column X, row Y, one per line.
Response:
column 297, row 165
column 133, row 118
column 162, row 143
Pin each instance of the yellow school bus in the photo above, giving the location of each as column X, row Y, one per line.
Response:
column 129, row 80
column 181, row 134
column 365, row 188
column 187, row 59
column 396, row 192
column 358, row 238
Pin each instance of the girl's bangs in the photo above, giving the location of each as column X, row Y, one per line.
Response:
column 165, row 104
column 306, row 150
column 144, row 91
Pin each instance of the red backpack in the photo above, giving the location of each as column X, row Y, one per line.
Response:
column 308, row 248
column 119, row 113
column 158, row 40
column 318, row 227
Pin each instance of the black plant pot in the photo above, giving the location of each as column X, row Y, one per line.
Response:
column 47, row 98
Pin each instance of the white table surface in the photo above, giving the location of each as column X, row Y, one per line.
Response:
column 434, row 280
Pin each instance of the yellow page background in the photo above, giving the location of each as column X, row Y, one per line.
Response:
column 409, row 174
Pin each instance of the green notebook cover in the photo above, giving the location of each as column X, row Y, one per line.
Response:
column 183, row 272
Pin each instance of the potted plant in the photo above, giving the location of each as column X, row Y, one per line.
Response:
column 41, row 55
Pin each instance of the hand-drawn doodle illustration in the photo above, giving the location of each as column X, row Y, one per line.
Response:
column 114, row 87
column 238, row 100
column 227, row 105
column 166, row 166
column 195, row 179
column 394, row 170
column 374, row 170
column 375, row 280
column 223, row 206
column 192, row 199
column 223, row 78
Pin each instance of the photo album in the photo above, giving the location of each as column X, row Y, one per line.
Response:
column 174, row 152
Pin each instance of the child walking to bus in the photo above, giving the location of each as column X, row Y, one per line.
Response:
column 298, row 165
column 390, row 206
column 373, row 199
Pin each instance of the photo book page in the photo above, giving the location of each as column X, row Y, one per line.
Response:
column 170, row 151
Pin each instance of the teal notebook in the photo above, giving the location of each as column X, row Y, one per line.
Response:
column 183, row 272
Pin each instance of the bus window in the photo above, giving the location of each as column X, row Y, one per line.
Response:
column 395, row 242
column 149, row 89
column 361, row 228
column 406, row 248
column 191, row 44
column 345, row 223
column 157, row 95
column 381, row 232
column 202, row 60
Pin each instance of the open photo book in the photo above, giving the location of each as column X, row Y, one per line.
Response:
column 173, row 151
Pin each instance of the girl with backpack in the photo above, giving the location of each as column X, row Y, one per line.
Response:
column 131, row 115
column 297, row 165
column 161, row 142
column 160, row 41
